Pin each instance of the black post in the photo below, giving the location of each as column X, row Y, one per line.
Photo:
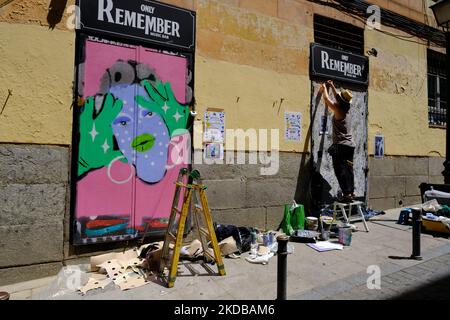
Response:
column 416, row 232
column 4, row 296
column 446, row 172
column 282, row 267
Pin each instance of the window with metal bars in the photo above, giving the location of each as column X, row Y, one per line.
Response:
column 437, row 89
column 338, row 34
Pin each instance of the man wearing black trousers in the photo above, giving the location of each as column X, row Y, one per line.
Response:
column 343, row 147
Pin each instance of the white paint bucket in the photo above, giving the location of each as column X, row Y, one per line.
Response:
column 345, row 236
column 312, row 223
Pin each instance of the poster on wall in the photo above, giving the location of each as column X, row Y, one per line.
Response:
column 293, row 126
column 134, row 116
column 214, row 126
column 379, row 147
column 324, row 125
column 214, row 151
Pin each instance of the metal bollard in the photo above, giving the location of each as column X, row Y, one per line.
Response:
column 4, row 295
column 282, row 267
column 416, row 233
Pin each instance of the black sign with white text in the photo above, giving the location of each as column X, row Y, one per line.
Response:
column 339, row 65
column 142, row 20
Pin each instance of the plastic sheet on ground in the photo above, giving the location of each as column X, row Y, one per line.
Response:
column 260, row 259
column 431, row 206
column 67, row 284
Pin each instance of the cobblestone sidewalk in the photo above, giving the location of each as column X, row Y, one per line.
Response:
column 429, row 280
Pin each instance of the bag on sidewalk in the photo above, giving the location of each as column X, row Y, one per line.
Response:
column 293, row 219
column 297, row 216
column 241, row 235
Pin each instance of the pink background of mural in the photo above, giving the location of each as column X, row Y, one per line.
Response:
column 100, row 57
column 97, row 195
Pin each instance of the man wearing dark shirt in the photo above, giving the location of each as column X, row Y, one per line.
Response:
column 343, row 147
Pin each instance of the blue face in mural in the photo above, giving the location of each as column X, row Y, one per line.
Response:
column 141, row 134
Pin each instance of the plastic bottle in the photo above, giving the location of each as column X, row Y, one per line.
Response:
column 254, row 244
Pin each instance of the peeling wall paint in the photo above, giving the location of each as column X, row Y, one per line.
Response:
column 398, row 97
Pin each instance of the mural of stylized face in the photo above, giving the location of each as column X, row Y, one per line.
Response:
column 142, row 135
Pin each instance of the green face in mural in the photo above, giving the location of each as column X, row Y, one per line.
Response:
column 97, row 145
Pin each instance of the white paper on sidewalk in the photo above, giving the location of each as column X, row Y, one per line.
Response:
column 322, row 246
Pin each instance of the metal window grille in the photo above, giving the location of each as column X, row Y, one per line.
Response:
column 338, row 34
column 437, row 89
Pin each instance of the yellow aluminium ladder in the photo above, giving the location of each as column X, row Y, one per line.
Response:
column 174, row 234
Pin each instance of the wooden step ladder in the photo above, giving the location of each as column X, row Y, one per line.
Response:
column 175, row 231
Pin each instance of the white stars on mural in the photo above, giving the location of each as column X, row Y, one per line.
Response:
column 165, row 107
column 105, row 146
column 93, row 133
column 177, row 116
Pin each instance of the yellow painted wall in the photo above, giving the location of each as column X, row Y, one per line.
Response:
column 37, row 65
column 252, row 65
column 398, row 97
column 251, row 96
column 249, row 57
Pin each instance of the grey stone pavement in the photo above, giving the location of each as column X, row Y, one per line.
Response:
column 311, row 275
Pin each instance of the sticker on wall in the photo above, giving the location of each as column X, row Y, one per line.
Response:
column 293, row 121
column 214, row 126
column 379, row 146
column 214, row 151
column 324, row 125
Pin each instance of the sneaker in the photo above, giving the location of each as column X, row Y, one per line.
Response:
column 347, row 198
column 344, row 199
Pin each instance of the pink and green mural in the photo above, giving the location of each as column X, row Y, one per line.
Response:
column 132, row 121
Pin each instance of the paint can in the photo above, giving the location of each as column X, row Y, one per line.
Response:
column 271, row 238
column 312, row 223
column 345, row 236
column 326, row 226
column 266, row 241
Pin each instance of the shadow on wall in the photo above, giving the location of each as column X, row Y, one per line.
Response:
column 55, row 12
column 312, row 189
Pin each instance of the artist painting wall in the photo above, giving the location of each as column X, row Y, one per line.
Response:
column 325, row 187
column 132, row 138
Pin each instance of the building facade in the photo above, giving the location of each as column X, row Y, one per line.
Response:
column 253, row 64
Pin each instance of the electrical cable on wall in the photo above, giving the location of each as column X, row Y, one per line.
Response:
column 4, row 2
column 358, row 9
